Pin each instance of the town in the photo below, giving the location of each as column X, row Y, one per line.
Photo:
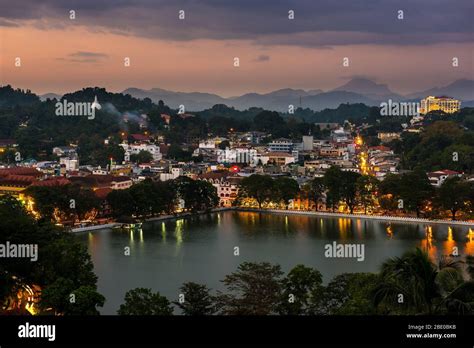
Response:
column 357, row 165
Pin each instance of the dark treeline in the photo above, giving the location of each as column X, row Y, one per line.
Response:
column 353, row 191
column 62, row 273
column 264, row 289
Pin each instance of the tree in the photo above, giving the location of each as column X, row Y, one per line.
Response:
column 314, row 190
column 197, row 194
column 332, row 181
column 142, row 157
column 299, row 287
column 412, row 284
column 254, row 289
column 63, row 265
column 347, row 294
column 286, row 189
column 414, row 199
column 367, row 187
column 259, row 187
column 141, row 301
column 197, row 300
column 121, row 202
column 348, row 188
column 224, row 144
column 453, row 195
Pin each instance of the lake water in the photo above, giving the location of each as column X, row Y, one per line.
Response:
column 164, row 255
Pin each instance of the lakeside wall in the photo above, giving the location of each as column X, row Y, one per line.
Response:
column 358, row 216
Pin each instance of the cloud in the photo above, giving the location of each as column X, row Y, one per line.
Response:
column 88, row 54
column 84, row 57
column 262, row 58
column 320, row 24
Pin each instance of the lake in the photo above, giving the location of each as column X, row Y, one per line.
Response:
column 164, row 255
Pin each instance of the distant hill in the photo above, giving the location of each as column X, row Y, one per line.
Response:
column 460, row 89
column 43, row 97
column 10, row 97
column 368, row 89
column 277, row 100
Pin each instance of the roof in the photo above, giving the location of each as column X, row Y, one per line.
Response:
column 20, row 171
column 278, row 154
column 218, row 174
column 52, row 182
column 140, row 137
column 379, row 148
column 102, row 193
column 98, row 180
column 17, row 180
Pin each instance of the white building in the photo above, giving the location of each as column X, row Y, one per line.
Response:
column 70, row 163
column 174, row 173
column 134, row 149
column 237, row 155
column 280, row 145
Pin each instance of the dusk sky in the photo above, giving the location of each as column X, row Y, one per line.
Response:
column 197, row 54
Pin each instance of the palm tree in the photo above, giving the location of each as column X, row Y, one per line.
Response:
column 412, row 284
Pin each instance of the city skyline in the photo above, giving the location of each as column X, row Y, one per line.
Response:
column 196, row 54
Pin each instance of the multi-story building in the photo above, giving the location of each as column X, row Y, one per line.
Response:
column 280, row 145
column 134, row 149
column 445, row 104
column 237, row 155
column 227, row 186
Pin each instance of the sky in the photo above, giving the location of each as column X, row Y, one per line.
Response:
column 59, row 54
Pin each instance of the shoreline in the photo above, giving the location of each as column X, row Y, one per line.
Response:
column 358, row 216
column 283, row 212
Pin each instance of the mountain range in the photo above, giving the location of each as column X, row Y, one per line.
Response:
column 357, row 90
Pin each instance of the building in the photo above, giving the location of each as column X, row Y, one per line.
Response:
column 445, row 104
column 70, row 163
column 280, row 145
column 439, row 177
column 227, row 186
column 386, row 137
column 277, row 158
column 308, row 143
column 173, row 174
column 134, row 149
column 237, row 155
column 96, row 182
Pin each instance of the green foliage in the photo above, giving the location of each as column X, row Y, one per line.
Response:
column 285, row 189
column 146, row 198
column 197, row 300
column 412, row 284
column 260, row 187
column 254, row 289
column 63, row 263
column 197, row 194
column 141, row 301
column 434, row 148
column 300, row 288
column 48, row 198
column 453, row 195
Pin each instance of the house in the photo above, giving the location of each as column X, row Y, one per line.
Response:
column 103, row 181
column 277, row 158
column 437, row 178
column 226, row 184
column 134, row 149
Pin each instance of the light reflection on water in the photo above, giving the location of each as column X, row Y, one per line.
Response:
column 200, row 249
